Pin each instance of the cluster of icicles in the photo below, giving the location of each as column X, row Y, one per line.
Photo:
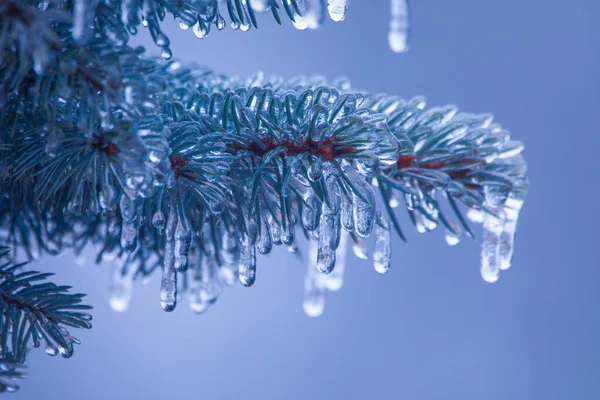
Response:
column 309, row 161
column 311, row 15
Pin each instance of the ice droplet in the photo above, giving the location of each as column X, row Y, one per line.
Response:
column 490, row 248
column 453, row 238
column 200, row 30
column 398, row 35
column 337, row 9
column 51, row 349
column 168, row 285
column 166, row 53
column 247, row 262
column 383, row 248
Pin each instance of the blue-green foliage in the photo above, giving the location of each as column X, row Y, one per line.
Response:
column 174, row 168
column 34, row 312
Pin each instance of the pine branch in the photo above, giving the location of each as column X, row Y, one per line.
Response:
column 249, row 160
column 180, row 169
column 33, row 313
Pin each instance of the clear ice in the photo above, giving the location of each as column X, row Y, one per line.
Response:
column 398, row 36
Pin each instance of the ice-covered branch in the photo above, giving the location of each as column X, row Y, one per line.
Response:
column 250, row 164
column 34, row 313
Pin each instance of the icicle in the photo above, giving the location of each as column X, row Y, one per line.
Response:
column 314, row 292
column 337, row 9
column 168, row 285
column 206, row 285
column 247, row 262
column 264, row 242
column 363, row 212
column 131, row 213
column 183, row 240
column 399, row 26
column 346, row 215
column 507, row 238
column 275, row 232
column 383, row 249
column 327, row 243
column 121, row 288
column 335, row 280
column 230, row 255
column 490, row 248
column 360, row 249
column 329, row 226
column 311, row 213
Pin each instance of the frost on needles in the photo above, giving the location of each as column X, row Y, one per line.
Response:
column 177, row 169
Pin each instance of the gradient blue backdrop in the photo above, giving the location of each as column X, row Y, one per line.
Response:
column 431, row 328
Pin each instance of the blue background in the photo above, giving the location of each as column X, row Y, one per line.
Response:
column 431, row 328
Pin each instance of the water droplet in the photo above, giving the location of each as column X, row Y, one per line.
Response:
column 51, row 349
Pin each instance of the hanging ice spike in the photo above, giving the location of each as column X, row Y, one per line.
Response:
column 304, row 14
